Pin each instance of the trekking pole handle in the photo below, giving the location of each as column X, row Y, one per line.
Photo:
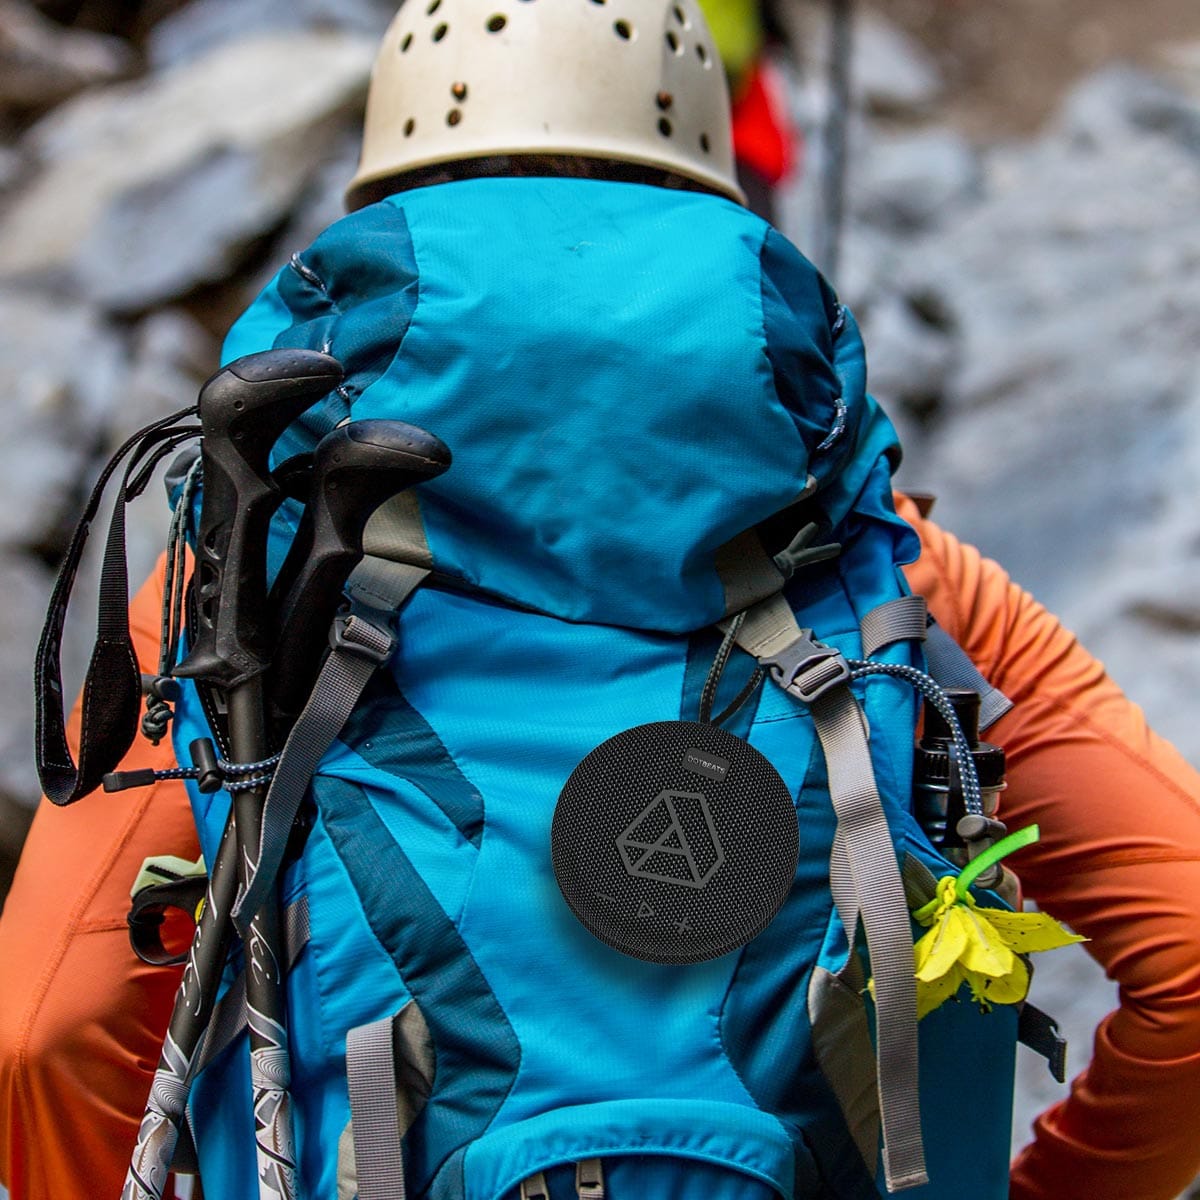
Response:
column 244, row 408
column 356, row 468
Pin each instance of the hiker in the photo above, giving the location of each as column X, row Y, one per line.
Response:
column 80, row 1021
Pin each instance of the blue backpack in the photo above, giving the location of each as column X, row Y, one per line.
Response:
column 670, row 497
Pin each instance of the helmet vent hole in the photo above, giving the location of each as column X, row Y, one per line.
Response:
column 454, row 116
column 441, row 31
column 680, row 16
column 434, row 5
column 664, row 100
column 496, row 22
column 705, row 145
column 623, row 30
column 702, row 53
column 599, row 1
column 673, row 42
column 458, row 90
column 404, row 45
column 409, row 126
column 664, row 126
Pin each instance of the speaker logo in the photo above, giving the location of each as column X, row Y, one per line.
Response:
column 701, row 762
column 673, row 840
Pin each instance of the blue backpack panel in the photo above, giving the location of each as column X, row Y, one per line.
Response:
column 629, row 378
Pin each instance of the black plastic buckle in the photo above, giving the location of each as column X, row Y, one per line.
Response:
column 807, row 669
column 357, row 635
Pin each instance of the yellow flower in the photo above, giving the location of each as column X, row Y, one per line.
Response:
column 980, row 947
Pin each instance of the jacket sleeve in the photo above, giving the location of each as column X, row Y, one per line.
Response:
column 1118, row 861
column 81, row 1019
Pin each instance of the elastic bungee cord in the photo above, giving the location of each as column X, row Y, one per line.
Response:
column 961, row 757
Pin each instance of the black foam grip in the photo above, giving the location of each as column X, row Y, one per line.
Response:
column 357, row 467
column 243, row 409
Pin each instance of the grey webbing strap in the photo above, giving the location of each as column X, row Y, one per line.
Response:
column 396, row 532
column 535, row 1188
column 864, row 875
column 589, row 1179
column 767, row 628
column 952, row 667
column 374, row 1113
column 382, row 585
column 899, row 620
column 362, row 642
column 229, row 1016
column 867, row 855
column 747, row 572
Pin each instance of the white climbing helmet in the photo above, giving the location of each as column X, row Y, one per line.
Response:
column 631, row 81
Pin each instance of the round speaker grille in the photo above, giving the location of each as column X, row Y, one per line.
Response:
column 675, row 842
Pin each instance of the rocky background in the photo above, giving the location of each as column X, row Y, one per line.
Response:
column 1022, row 251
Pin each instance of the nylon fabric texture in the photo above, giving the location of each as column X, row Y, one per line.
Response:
column 1077, row 748
column 619, row 406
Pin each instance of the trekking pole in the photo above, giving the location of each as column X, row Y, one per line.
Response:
column 244, row 408
column 355, row 469
column 323, row 660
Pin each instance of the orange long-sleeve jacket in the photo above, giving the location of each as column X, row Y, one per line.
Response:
column 1119, row 861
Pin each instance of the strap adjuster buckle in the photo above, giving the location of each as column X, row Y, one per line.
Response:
column 807, row 669
column 356, row 634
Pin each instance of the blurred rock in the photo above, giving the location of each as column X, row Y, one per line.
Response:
column 1181, row 62
column 26, row 590
column 220, row 161
column 891, row 73
column 906, row 184
column 42, row 63
column 61, row 368
column 11, row 166
column 912, row 355
column 1120, row 102
column 320, row 205
column 15, row 817
column 172, row 355
column 1070, row 414
column 199, row 27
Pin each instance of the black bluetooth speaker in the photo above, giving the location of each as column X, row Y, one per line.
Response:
column 675, row 842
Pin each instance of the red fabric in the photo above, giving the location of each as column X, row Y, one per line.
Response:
column 764, row 137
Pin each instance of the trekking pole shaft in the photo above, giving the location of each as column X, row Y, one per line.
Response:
column 270, row 1065
column 244, row 408
column 158, row 1133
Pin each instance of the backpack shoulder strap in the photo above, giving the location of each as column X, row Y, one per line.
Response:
column 907, row 618
column 863, row 871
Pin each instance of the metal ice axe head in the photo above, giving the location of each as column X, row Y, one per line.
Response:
column 244, row 408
